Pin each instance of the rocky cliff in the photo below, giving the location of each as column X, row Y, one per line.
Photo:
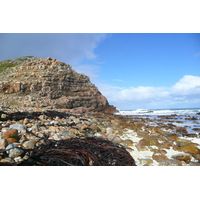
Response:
column 33, row 82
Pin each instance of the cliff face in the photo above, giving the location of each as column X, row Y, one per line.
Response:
column 35, row 82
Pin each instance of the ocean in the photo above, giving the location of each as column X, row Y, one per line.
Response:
column 176, row 111
column 189, row 118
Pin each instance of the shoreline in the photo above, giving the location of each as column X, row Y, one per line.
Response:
column 151, row 142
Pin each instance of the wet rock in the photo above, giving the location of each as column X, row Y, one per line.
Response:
column 146, row 162
column 166, row 145
column 160, row 151
column 181, row 142
column 196, row 129
column 193, row 135
column 182, row 157
column 170, row 162
column 158, row 131
column 142, row 145
column 187, row 149
column 181, row 130
column 173, row 136
column 196, row 157
column 151, row 139
column 159, row 157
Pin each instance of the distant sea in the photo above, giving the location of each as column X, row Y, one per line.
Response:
column 177, row 111
column 188, row 118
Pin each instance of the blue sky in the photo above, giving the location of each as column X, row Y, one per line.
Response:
column 132, row 70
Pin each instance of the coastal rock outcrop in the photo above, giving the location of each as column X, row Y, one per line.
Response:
column 35, row 82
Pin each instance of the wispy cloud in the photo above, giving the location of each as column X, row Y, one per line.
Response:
column 89, row 70
column 71, row 48
column 197, row 54
column 185, row 93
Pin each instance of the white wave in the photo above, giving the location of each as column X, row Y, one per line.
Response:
column 160, row 112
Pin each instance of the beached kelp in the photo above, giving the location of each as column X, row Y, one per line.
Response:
column 32, row 115
column 90, row 151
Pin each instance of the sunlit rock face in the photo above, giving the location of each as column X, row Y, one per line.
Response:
column 48, row 83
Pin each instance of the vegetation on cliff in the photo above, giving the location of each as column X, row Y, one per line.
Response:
column 14, row 62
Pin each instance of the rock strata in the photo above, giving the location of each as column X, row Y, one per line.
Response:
column 48, row 83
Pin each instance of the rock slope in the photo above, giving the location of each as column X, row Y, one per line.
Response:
column 34, row 82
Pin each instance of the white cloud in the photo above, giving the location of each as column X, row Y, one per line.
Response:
column 185, row 93
column 188, row 85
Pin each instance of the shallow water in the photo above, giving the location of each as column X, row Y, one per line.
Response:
column 187, row 118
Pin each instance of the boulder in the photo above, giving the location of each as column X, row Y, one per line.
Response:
column 159, row 157
column 191, row 149
column 183, row 157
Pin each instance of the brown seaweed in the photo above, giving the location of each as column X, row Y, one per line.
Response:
column 90, row 151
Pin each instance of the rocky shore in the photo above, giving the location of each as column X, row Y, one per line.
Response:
column 44, row 100
column 149, row 143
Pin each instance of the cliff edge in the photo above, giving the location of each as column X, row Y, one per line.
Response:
column 35, row 82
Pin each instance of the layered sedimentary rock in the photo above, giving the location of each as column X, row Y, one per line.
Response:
column 48, row 83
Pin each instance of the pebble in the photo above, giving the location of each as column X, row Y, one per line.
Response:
column 28, row 145
column 3, row 143
column 170, row 162
column 19, row 127
column 159, row 157
column 109, row 130
column 18, row 159
column 3, row 116
column 15, row 152
column 9, row 147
